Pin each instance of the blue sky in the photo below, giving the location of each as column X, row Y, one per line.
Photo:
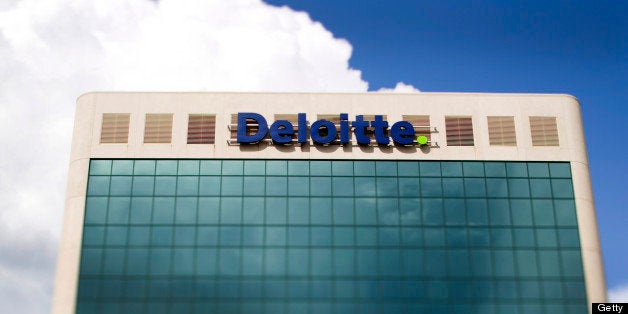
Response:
column 574, row 47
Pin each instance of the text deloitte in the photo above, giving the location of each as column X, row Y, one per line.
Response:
column 281, row 131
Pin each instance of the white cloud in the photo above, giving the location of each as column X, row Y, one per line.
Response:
column 618, row 294
column 52, row 51
column 401, row 87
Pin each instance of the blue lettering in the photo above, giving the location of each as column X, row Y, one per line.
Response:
column 360, row 127
column 402, row 133
column 261, row 132
column 315, row 130
column 281, row 131
column 380, row 125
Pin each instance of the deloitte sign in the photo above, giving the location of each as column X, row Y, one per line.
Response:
column 325, row 132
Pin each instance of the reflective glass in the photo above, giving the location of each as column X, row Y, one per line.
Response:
column 294, row 236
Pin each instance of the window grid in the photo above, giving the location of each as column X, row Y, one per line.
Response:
column 544, row 131
column 158, row 128
column 459, row 131
column 501, row 131
column 115, row 128
column 211, row 249
column 201, row 129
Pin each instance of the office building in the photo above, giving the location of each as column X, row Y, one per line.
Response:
column 328, row 203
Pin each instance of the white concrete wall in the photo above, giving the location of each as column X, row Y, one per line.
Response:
column 91, row 106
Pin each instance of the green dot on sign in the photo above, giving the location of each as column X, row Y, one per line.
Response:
column 421, row 139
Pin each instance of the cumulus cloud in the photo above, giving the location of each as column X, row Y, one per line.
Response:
column 52, row 51
column 618, row 294
column 401, row 87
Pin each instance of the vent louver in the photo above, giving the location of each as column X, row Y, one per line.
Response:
column 158, row 128
column 501, row 131
column 544, row 131
column 201, row 129
column 459, row 131
column 115, row 128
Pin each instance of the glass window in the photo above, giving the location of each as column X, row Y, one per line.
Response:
column 163, row 211
column 118, row 212
column 208, row 208
column 231, row 186
column 473, row 169
column 499, row 212
column 364, row 186
column 276, row 167
column 299, row 186
column 524, row 237
column 165, row 186
column 253, row 210
column 543, row 212
column 546, row 238
column 254, row 167
column 434, row 237
column 166, row 167
column 232, row 167
column 342, row 186
column 231, row 210
column 452, row 169
column 342, row 168
column 116, row 235
column 209, row 186
column 431, row 187
column 210, row 167
column 143, row 186
column 121, row 185
column 432, row 209
column 476, row 212
column 497, row 187
column 139, row 236
column 276, row 210
column 187, row 186
column 518, row 188
column 229, row 236
column 184, row 235
column 122, row 167
column 98, row 186
column 561, row 188
column 410, row 211
column 365, row 210
column 343, row 211
column 320, row 186
column 96, row 210
column 453, row 187
column 298, row 210
column 188, row 167
column 521, row 212
column 298, row 236
column 455, row 212
column 565, row 212
column 93, row 235
column 361, row 225
column 560, row 170
column 364, row 168
column 540, row 188
column 321, row 211
column 495, row 169
column 475, row 187
column 206, row 236
column 99, row 167
column 516, row 170
column 320, row 168
column 298, row 168
column 503, row 263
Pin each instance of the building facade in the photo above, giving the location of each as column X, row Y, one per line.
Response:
column 318, row 203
